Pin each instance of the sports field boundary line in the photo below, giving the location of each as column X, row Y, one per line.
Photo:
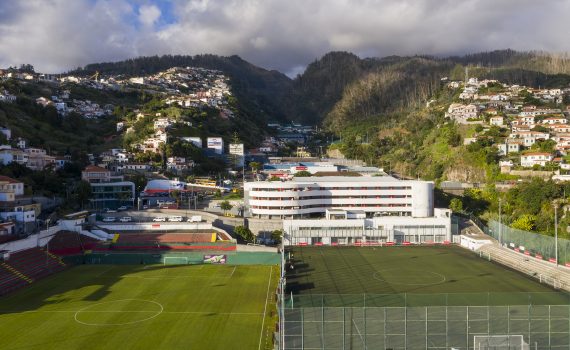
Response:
column 234, row 270
column 134, row 311
column 265, row 308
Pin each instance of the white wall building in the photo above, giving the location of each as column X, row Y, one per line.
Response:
column 530, row 159
column 309, row 197
column 371, row 231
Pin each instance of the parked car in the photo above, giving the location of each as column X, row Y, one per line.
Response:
column 126, row 219
column 195, row 218
column 122, row 208
column 145, row 207
column 109, row 219
column 175, row 218
column 159, row 219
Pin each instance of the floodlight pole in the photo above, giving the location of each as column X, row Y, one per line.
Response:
column 555, row 234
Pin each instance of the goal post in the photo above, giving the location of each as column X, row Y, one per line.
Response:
column 175, row 260
column 492, row 342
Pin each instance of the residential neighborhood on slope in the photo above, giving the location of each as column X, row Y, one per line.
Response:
column 528, row 127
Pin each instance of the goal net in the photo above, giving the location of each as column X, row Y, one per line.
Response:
column 499, row 342
column 175, row 260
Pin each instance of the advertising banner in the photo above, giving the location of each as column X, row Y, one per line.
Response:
column 215, row 259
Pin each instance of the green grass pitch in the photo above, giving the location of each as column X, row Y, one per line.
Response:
column 144, row 307
column 424, row 276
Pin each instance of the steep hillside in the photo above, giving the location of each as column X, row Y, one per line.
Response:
column 260, row 92
column 342, row 87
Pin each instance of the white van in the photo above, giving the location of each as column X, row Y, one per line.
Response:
column 126, row 219
column 175, row 218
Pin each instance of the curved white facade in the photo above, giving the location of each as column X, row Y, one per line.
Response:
column 305, row 196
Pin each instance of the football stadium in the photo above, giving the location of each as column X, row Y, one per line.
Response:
column 160, row 288
column 171, row 285
column 416, row 297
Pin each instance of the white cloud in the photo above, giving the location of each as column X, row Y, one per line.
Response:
column 276, row 34
column 149, row 14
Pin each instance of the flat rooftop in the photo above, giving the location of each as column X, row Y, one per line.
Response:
column 385, row 178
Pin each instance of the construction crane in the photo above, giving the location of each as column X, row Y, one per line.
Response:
column 95, row 76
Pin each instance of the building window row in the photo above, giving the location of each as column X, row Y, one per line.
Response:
column 391, row 205
column 308, row 188
column 330, row 197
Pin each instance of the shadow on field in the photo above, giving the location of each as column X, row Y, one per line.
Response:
column 297, row 287
column 60, row 287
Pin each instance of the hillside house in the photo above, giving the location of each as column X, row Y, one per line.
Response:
column 497, row 121
column 461, row 113
column 535, row 158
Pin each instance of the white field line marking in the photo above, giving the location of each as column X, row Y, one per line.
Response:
column 234, row 270
column 104, row 271
column 265, row 308
column 75, row 316
column 360, row 335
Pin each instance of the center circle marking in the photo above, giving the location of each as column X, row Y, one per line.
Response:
column 87, row 308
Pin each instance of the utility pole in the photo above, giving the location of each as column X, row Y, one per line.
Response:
column 556, row 233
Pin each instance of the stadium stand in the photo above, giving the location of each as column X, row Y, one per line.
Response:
column 26, row 266
column 167, row 238
column 170, row 241
column 9, row 280
column 546, row 272
column 70, row 243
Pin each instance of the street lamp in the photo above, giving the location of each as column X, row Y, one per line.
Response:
column 500, row 225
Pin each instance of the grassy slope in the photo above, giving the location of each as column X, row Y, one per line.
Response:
column 204, row 307
column 418, row 270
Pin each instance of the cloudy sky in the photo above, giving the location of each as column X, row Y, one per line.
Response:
column 57, row 35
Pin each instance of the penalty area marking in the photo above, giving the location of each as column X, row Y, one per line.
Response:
column 85, row 310
column 405, row 274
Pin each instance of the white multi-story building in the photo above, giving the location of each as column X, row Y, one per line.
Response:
column 305, row 197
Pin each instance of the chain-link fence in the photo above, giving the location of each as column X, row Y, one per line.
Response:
column 427, row 299
column 427, row 327
column 534, row 243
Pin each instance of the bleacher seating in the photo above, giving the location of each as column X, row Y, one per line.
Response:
column 166, row 238
column 9, row 281
column 35, row 263
column 26, row 266
column 170, row 241
column 547, row 272
column 69, row 243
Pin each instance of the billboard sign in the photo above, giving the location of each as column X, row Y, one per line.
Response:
column 217, row 144
column 215, row 259
column 236, row 149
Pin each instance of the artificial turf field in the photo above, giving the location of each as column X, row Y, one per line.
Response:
column 144, row 307
column 426, row 275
